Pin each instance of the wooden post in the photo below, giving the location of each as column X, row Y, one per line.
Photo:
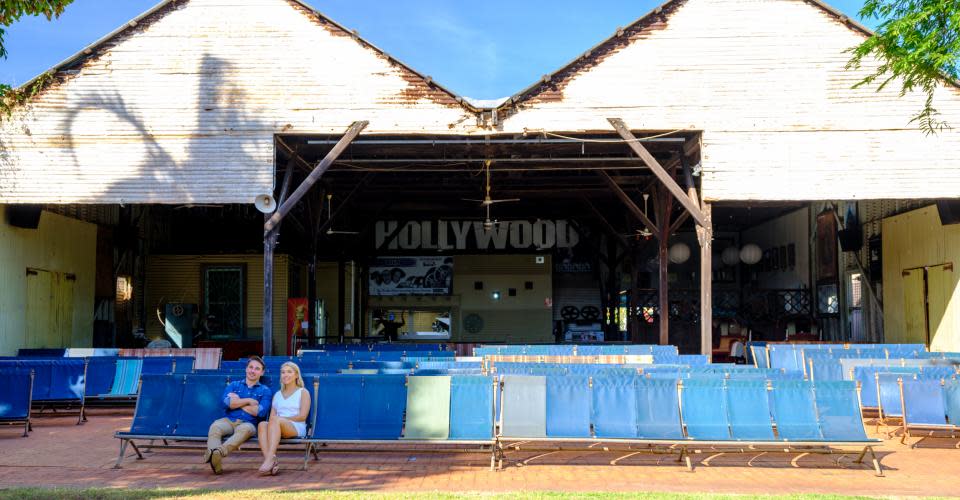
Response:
column 271, row 224
column 663, row 206
column 269, row 243
column 664, row 292
column 341, row 297
column 705, row 236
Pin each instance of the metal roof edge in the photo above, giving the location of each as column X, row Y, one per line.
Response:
column 87, row 51
column 531, row 90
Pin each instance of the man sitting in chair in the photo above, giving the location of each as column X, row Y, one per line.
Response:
column 246, row 403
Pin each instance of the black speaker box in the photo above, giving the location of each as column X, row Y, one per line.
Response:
column 949, row 211
column 25, row 216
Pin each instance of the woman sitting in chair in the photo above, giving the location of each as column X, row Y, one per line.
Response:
column 288, row 417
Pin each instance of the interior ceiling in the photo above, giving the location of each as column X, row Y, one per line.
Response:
column 407, row 177
column 735, row 217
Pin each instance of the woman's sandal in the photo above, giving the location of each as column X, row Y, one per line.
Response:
column 264, row 472
column 276, row 467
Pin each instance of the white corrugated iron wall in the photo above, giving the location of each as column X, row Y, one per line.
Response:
column 766, row 82
column 184, row 106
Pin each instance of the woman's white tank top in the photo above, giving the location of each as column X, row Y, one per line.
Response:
column 290, row 407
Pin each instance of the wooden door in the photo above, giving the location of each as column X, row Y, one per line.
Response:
column 41, row 314
column 914, row 308
column 64, row 307
column 941, row 287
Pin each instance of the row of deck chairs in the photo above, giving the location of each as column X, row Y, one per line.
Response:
column 576, row 350
column 679, row 415
column 74, row 384
column 365, row 355
column 497, row 412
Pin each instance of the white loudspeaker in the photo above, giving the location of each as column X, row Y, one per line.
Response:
column 265, row 203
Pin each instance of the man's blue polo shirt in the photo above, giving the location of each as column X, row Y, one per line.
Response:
column 260, row 392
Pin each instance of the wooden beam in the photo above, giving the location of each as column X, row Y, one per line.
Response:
column 657, row 169
column 631, row 206
column 315, row 175
column 294, row 155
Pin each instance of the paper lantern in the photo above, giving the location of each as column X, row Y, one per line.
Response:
column 750, row 254
column 730, row 256
column 679, row 253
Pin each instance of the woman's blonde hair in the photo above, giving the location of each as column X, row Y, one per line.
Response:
column 296, row 370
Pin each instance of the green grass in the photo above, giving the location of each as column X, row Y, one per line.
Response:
column 138, row 494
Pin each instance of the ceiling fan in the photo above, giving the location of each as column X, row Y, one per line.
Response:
column 643, row 232
column 487, row 200
column 331, row 231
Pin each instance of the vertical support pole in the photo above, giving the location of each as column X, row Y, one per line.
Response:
column 663, row 291
column 633, row 318
column 312, row 299
column 705, row 236
column 341, row 297
column 269, row 243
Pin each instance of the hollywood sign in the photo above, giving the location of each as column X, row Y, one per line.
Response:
column 471, row 235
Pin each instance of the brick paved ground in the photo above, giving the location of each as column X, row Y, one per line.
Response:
column 58, row 453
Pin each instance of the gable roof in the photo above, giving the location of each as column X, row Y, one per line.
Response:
column 549, row 85
column 159, row 10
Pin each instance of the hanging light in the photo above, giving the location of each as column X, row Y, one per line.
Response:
column 750, row 254
column 679, row 253
column 730, row 256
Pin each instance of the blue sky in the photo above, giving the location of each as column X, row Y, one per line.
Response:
column 481, row 49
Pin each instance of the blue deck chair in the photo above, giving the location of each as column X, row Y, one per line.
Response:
column 200, row 404
column 703, row 409
column 758, row 355
column 924, row 408
column 888, row 393
column 523, row 407
column 183, row 364
column 157, row 364
column 100, row 374
column 239, row 365
column 471, row 408
column 569, row 404
column 157, row 405
column 866, row 376
column 15, row 396
column 428, row 405
column 615, row 407
column 338, row 408
column 383, row 400
column 794, row 412
column 126, row 377
column 838, row 411
column 657, row 409
column 748, row 404
column 951, row 398
column 785, row 357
